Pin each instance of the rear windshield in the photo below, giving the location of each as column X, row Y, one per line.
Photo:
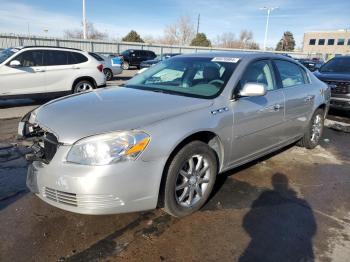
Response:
column 337, row 65
column 200, row 77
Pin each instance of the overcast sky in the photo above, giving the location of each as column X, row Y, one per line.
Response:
column 149, row 17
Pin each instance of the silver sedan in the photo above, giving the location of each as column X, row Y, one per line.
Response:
column 161, row 140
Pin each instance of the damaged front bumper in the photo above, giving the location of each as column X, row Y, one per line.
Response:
column 127, row 186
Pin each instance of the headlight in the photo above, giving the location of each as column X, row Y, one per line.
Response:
column 108, row 148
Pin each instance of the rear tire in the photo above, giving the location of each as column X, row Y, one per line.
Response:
column 314, row 130
column 189, row 179
column 108, row 73
column 125, row 65
column 83, row 86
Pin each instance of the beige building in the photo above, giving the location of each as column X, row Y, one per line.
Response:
column 327, row 43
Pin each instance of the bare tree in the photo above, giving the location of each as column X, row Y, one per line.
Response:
column 92, row 33
column 245, row 37
column 181, row 33
column 245, row 40
column 226, row 40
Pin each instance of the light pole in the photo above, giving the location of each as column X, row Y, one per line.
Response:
column 269, row 10
column 84, row 20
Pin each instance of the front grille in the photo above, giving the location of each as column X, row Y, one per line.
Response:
column 339, row 87
column 50, row 146
column 61, row 197
column 83, row 201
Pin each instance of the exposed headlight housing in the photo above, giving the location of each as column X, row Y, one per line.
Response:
column 108, row 148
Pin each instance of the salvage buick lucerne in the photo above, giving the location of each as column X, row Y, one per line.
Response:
column 162, row 138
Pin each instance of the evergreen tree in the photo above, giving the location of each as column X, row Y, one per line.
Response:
column 133, row 36
column 200, row 40
column 287, row 42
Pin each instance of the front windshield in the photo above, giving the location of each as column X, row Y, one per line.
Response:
column 4, row 54
column 202, row 77
column 337, row 65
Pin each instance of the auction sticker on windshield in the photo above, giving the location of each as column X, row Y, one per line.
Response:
column 225, row 59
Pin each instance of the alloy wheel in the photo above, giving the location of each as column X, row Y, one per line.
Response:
column 192, row 181
column 83, row 87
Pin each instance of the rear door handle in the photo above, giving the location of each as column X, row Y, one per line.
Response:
column 39, row 70
column 76, row 67
column 309, row 98
column 277, row 107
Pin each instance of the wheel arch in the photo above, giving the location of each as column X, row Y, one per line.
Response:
column 88, row 78
column 322, row 106
column 208, row 137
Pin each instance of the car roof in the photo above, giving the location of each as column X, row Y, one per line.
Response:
column 238, row 54
column 47, row 47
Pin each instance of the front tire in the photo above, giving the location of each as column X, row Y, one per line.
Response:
column 189, row 179
column 314, row 130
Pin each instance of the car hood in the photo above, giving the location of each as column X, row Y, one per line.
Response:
column 111, row 109
column 333, row 76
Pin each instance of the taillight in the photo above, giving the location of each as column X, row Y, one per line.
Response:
column 100, row 68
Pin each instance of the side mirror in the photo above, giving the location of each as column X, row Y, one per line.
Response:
column 253, row 89
column 15, row 63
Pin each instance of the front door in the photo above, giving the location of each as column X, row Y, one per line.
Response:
column 258, row 121
column 27, row 78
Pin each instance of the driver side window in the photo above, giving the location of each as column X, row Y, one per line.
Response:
column 259, row 72
column 30, row 58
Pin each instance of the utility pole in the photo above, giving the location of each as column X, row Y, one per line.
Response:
column 84, row 20
column 269, row 10
column 199, row 17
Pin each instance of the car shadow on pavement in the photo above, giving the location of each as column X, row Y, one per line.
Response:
column 13, row 172
column 281, row 225
column 12, row 103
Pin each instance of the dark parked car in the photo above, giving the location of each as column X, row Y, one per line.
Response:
column 312, row 65
column 149, row 63
column 133, row 57
column 336, row 73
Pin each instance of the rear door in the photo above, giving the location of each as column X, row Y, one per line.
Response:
column 299, row 95
column 258, row 121
column 28, row 78
column 61, row 68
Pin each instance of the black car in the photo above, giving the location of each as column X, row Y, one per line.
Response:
column 132, row 57
column 336, row 73
column 312, row 65
column 149, row 63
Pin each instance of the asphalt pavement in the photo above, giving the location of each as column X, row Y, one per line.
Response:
column 293, row 205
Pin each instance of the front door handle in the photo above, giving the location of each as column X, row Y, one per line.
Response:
column 39, row 70
column 273, row 108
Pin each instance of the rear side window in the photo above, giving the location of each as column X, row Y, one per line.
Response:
column 259, row 72
column 30, row 58
column 56, row 58
column 291, row 74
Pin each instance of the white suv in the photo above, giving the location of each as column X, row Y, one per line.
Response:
column 37, row 72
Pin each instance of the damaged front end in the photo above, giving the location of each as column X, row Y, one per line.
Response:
column 43, row 143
